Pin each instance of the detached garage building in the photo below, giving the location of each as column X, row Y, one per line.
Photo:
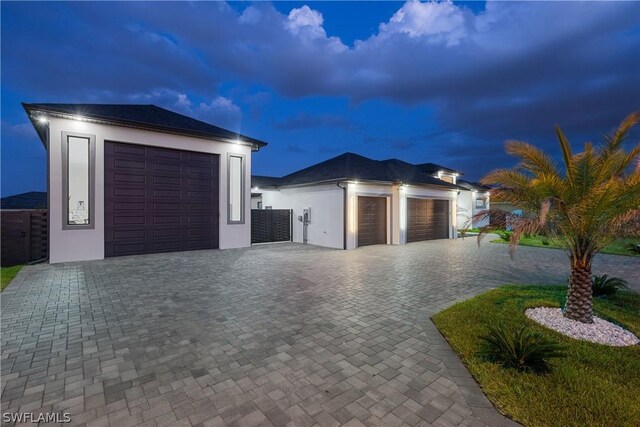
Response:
column 137, row 179
column 355, row 201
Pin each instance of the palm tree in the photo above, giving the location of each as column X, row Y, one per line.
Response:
column 592, row 200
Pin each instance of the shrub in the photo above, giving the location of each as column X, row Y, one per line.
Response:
column 504, row 235
column 633, row 248
column 605, row 285
column 521, row 348
column 544, row 240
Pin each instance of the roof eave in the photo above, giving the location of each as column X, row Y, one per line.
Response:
column 33, row 111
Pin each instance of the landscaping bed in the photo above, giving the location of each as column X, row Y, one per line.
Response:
column 619, row 247
column 593, row 385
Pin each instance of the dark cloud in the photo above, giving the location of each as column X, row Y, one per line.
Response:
column 306, row 121
column 295, row 148
column 511, row 71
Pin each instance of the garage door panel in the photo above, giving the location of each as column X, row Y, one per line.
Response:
column 128, row 178
column 128, row 150
column 120, row 249
column 427, row 219
column 125, row 192
column 135, row 165
column 372, row 220
column 161, row 207
column 165, row 167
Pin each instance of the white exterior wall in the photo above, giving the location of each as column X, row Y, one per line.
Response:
column 467, row 209
column 88, row 244
column 326, row 203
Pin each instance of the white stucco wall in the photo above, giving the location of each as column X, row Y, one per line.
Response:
column 79, row 245
column 326, row 203
column 467, row 209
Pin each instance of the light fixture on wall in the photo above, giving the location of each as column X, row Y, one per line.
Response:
column 42, row 119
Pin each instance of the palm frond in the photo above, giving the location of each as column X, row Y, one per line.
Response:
column 565, row 146
column 532, row 158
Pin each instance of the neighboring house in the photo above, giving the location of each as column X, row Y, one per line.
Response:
column 355, row 201
column 136, row 179
column 30, row 200
column 471, row 203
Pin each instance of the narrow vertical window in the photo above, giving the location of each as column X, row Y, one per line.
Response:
column 78, row 152
column 236, row 189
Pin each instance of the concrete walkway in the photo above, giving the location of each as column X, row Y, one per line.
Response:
column 273, row 335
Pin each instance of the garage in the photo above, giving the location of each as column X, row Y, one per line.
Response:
column 372, row 221
column 159, row 199
column 427, row 219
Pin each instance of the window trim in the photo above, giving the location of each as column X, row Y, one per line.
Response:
column 65, row 181
column 243, row 166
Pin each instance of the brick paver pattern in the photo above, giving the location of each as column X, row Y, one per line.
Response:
column 278, row 335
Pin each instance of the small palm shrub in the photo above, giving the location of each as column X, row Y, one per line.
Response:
column 633, row 248
column 521, row 348
column 605, row 285
column 544, row 240
column 504, row 235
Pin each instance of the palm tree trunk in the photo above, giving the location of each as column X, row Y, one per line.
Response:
column 579, row 304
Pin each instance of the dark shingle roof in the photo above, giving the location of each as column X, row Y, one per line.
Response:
column 353, row 166
column 432, row 168
column 265, row 181
column 30, row 200
column 473, row 186
column 148, row 116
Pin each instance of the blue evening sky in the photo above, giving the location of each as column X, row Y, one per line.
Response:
column 434, row 82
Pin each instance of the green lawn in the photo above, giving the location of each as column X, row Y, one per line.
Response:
column 7, row 274
column 616, row 248
column 595, row 385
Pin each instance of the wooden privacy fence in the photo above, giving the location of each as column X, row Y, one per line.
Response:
column 24, row 236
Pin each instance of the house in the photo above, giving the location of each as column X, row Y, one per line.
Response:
column 471, row 203
column 136, row 179
column 353, row 201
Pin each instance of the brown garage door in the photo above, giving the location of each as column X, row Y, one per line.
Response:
column 427, row 219
column 159, row 200
column 372, row 220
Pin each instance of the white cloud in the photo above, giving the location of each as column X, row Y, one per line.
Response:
column 306, row 24
column 219, row 111
column 251, row 15
column 305, row 20
column 437, row 21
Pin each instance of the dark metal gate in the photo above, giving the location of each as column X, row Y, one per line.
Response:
column 24, row 236
column 270, row 225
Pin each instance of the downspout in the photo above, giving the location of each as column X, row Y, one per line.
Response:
column 344, row 216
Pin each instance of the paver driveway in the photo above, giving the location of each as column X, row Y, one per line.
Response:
column 269, row 335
